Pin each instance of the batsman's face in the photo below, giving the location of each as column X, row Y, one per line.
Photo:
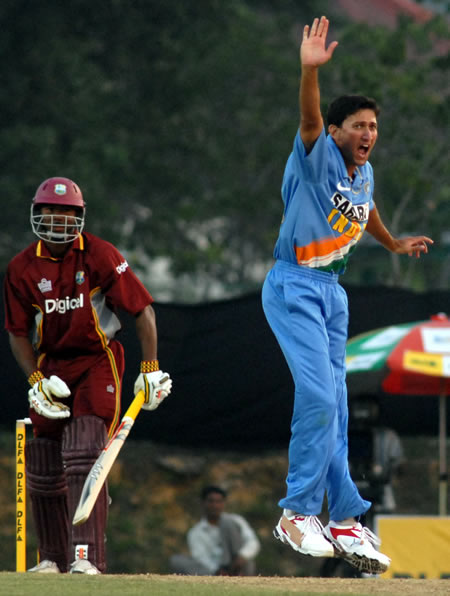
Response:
column 356, row 138
column 214, row 505
column 58, row 218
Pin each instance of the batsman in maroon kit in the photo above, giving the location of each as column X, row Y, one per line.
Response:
column 62, row 294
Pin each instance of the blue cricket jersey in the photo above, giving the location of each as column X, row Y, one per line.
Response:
column 325, row 211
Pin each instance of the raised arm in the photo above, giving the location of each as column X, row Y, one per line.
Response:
column 313, row 54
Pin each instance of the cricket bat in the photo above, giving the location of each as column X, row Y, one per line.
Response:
column 101, row 468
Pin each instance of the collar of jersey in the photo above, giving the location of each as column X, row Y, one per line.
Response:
column 43, row 253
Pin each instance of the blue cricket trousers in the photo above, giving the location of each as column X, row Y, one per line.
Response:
column 308, row 313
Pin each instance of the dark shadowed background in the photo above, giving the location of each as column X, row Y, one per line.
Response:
column 232, row 388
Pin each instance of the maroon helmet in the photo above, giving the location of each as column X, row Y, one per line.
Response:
column 58, row 228
column 59, row 191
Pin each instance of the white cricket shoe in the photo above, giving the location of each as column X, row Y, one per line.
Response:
column 304, row 533
column 84, row 566
column 356, row 545
column 45, row 566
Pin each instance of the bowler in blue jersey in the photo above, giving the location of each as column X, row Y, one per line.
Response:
column 327, row 193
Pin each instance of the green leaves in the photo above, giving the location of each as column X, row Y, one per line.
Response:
column 177, row 118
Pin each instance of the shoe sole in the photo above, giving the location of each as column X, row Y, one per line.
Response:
column 361, row 563
column 284, row 539
column 87, row 571
column 84, row 570
column 279, row 536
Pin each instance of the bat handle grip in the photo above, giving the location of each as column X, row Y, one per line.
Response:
column 137, row 402
column 135, row 405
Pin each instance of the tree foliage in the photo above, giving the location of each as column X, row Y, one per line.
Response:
column 176, row 120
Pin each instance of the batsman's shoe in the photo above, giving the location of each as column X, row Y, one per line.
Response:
column 304, row 533
column 84, row 566
column 356, row 545
column 45, row 566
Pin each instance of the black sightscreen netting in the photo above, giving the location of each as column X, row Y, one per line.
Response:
column 231, row 384
column 232, row 388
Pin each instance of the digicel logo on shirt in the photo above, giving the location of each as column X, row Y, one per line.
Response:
column 62, row 305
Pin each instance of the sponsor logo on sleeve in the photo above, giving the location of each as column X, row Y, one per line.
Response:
column 122, row 267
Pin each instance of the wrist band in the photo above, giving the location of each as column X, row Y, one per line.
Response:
column 35, row 377
column 148, row 366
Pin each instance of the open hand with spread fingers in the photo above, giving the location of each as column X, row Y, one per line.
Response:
column 41, row 395
column 313, row 51
column 412, row 245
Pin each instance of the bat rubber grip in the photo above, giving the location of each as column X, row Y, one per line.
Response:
column 135, row 406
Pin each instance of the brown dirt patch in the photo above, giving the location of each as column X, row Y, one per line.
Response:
column 392, row 587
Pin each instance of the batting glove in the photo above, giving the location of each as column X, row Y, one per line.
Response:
column 156, row 385
column 40, row 397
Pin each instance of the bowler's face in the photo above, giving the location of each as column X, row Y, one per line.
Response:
column 356, row 138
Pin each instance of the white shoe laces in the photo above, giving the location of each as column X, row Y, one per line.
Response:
column 368, row 535
column 312, row 523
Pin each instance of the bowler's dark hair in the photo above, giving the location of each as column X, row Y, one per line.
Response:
column 346, row 105
column 212, row 489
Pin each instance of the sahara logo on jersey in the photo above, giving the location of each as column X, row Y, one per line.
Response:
column 62, row 305
column 347, row 208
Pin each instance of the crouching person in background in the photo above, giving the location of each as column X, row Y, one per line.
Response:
column 220, row 543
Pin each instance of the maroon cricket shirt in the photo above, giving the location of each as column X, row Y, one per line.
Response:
column 69, row 306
